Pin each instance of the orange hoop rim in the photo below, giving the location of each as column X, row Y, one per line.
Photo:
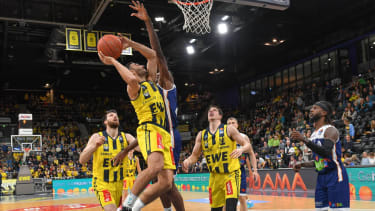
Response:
column 27, row 149
column 195, row 3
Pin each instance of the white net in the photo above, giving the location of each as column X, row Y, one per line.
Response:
column 196, row 15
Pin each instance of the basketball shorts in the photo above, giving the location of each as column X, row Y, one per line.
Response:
column 330, row 192
column 108, row 192
column 128, row 183
column 243, row 182
column 223, row 186
column 152, row 138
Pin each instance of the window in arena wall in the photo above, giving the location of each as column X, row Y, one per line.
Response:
column 285, row 77
column 324, row 67
column 278, row 79
column 265, row 84
column 371, row 47
column 299, row 72
column 292, row 74
column 307, row 72
column 333, row 64
column 362, row 51
column 270, row 81
column 315, row 69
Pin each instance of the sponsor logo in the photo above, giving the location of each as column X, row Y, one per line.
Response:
column 159, row 139
column 59, row 207
column 229, row 188
column 107, row 196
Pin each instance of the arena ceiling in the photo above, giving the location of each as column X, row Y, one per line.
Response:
column 32, row 40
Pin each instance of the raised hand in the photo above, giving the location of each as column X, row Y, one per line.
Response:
column 185, row 165
column 107, row 60
column 141, row 11
column 126, row 42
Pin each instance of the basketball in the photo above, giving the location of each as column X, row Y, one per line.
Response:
column 110, row 45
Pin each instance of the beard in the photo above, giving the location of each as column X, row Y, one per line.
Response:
column 315, row 118
column 113, row 124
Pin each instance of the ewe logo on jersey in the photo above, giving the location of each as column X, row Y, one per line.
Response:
column 223, row 156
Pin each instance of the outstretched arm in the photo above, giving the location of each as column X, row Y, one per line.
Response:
column 166, row 80
column 193, row 158
column 147, row 52
column 126, row 75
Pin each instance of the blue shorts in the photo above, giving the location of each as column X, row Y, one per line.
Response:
column 330, row 192
column 243, row 185
column 177, row 147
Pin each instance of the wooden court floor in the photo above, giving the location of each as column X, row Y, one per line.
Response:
column 193, row 201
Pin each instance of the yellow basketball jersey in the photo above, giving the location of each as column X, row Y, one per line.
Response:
column 149, row 105
column 130, row 167
column 217, row 148
column 103, row 168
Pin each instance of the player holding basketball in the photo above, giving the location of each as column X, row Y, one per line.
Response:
column 244, row 159
column 153, row 138
column 130, row 167
column 332, row 187
column 218, row 143
column 107, row 179
column 169, row 92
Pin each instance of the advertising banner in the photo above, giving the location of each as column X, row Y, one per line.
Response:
column 362, row 183
column 91, row 39
column 73, row 39
column 72, row 185
column 192, row 182
column 8, row 186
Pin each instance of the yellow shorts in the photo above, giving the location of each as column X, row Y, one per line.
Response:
column 223, row 186
column 108, row 192
column 152, row 138
column 128, row 183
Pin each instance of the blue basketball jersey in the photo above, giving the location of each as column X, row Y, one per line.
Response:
column 333, row 162
column 170, row 100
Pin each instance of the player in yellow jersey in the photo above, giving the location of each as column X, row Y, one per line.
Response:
column 107, row 178
column 130, row 167
column 153, row 139
column 219, row 145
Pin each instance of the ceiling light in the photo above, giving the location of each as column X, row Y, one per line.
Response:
column 225, row 17
column 267, row 44
column 211, row 72
column 222, row 70
column 216, row 70
column 190, row 49
column 329, row 59
column 47, row 85
column 186, row 84
column 192, row 41
column 222, row 28
column 274, row 40
column 159, row 19
column 373, row 43
column 281, row 41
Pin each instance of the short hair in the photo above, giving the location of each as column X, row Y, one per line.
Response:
column 232, row 118
column 127, row 65
column 107, row 112
column 218, row 108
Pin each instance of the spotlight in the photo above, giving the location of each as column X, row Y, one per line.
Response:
column 160, row 19
column 190, row 49
column 222, row 28
column 225, row 17
column 192, row 41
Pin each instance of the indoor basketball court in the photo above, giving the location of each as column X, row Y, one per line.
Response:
column 69, row 42
column 192, row 200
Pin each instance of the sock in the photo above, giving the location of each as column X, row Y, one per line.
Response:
column 168, row 209
column 130, row 200
column 138, row 205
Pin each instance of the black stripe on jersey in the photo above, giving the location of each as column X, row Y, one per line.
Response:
column 213, row 139
column 121, row 173
column 217, row 169
column 225, row 166
column 106, row 175
column 114, row 144
column 152, row 86
column 210, row 168
column 114, row 176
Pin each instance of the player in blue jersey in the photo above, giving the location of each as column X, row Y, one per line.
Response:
column 169, row 92
column 332, row 187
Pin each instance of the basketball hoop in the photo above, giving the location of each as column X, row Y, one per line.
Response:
column 26, row 153
column 196, row 15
